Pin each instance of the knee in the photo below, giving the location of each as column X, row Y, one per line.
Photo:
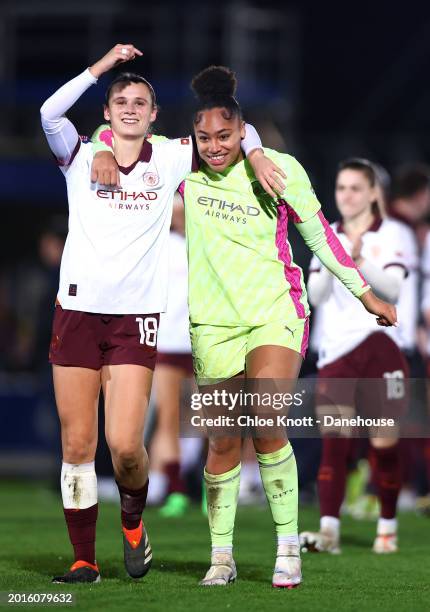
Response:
column 224, row 446
column 264, row 446
column 78, row 449
column 125, row 454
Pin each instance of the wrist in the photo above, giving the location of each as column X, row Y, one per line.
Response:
column 366, row 295
column 97, row 70
column 255, row 153
column 99, row 151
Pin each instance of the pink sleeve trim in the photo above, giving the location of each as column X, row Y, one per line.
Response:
column 106, row 137
column 291, row 212
column 337, row 249
column 181, row 190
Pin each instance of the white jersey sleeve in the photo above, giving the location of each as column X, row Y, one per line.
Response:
column 179, row 152
column 394, row 252
column 252, row 139
column 386, row 282
column 320, row 282
column 425, row 269
column 60, row 132
column 405, row 335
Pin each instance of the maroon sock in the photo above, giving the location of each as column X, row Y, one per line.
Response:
column 133, row 502
column 176, row 483
column 332, row 475
column 82, row 532
column 387, row 478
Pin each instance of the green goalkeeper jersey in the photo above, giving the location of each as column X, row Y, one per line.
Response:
column 241, row 268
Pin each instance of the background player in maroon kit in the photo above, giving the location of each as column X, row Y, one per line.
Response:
column 350, row 347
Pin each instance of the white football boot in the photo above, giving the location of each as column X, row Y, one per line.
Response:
column 288, row 567
column 320, row 541
column 385, row 544
column 221, row 572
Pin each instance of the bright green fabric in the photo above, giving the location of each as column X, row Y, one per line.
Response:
column 222, row 492
column 279, row 476
column 220, row 351
column 241, row 269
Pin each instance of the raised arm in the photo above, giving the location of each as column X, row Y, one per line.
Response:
column 60, row 132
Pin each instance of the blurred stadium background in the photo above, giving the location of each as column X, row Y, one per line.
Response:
column 322, row 81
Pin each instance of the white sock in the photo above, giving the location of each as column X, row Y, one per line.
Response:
column 78, row 485
column 227, row 550
column 386, row 526
column 330, row 523
column 157, row 488
column 290, row 540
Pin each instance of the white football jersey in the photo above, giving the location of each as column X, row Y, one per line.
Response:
column 425, row 269
column 344, row 323
column 115, row 259
column 405, row 335
column 173, row 331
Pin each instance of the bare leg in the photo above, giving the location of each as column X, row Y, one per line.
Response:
column 77, row 395
column 165, row 442
column 126, row 389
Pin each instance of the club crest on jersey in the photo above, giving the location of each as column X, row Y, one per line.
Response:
column 151, row 179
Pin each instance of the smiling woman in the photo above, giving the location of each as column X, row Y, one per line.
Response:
column 113, row 286
column 248, row 309
column 218, row 134
column 131, row 108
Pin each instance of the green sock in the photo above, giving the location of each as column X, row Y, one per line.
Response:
column 222, row 492
column 279, row 476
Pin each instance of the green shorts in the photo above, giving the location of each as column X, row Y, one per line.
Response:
column 219, row 352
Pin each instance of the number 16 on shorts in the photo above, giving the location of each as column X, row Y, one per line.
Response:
column 148, row 327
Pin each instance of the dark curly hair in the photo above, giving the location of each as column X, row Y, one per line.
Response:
column 215, row 87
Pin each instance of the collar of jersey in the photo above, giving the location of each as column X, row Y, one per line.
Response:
column 217, row 176
column 144, row 156
column 377, row 222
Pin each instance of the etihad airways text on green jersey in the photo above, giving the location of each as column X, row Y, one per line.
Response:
column 241, row 268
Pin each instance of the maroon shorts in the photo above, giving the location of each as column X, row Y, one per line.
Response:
column 184, row 361
column 377, row 358
column 90, row 340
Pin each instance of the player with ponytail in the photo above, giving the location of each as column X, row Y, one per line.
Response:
column 248, row 308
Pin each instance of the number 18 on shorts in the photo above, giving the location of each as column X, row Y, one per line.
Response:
column 92, row 340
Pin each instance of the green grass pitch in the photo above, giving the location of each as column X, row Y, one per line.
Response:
column 34, row 546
